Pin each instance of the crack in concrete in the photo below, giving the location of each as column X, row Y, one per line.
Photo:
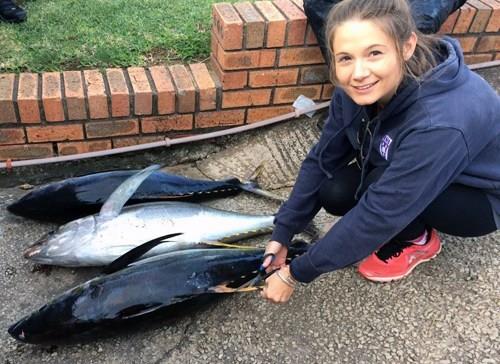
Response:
column 179, row 344
column 201, row 172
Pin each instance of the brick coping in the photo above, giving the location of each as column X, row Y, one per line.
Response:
column 264, row 55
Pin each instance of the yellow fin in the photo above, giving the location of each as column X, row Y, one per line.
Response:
column 222, row 288
column 227, row 245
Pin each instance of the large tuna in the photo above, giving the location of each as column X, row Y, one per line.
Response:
column 99, row 239
column 81, row 196
column 139, row 290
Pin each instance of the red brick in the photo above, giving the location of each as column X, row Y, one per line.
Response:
column 245, row 98
column 478, row 58
column 12, row 136
column 28, row 97
column 205, row 85
column 165, row 89
column 253, row 25
column 120, row 102
column 185, row 89
column 96, row 94
column 26, row 151
column 219, row 118
column 465, row 18
column 54, row 133
column 7, row 112
column 227, row 26
column 275, row 24
column 74, row 95
column 162, row 124
column 299, row 4
column 229, row 80
column 285, row 95
column 100, row 129
column 128, row 141
column 467, row 43
column 142, row 93
column 447, row 26
column 311, row 37
column 262, row 113
column 494, row 23
column 327, row 92
column 314, row 74
column 300, row 56
column 482, row 16
column 83, row 147
column 297, row 22
column 51, row 96
column 214, row 47
column 242, row 60
column 275, row 77
column 497, row 57
column 488, row 43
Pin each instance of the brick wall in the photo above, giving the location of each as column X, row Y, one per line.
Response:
column 264, row 55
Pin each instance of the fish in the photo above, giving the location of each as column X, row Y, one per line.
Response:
column 73, row 198
column 98, row 239
column 141, row 289
column 91, row 241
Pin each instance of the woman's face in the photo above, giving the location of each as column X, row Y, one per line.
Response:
column 367, row 64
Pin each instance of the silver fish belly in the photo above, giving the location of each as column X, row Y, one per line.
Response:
column 96, row 240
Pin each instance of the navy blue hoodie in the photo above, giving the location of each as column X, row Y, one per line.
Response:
column 443, row 130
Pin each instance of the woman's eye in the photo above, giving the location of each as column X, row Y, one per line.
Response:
column 343, row 59
column 375, row 53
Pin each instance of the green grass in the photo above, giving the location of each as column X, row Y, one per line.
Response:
column 83, row 34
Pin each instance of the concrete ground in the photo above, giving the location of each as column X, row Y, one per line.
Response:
column 447, row 311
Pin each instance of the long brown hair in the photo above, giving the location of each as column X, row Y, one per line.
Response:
column 394, row 18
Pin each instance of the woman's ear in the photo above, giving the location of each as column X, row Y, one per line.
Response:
column 409, row 46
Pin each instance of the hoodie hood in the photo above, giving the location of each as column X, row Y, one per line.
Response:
column 451, row 72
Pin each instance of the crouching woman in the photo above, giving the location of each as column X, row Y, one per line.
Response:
column 411, row 147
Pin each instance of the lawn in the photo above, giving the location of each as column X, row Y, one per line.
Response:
column 82, row 34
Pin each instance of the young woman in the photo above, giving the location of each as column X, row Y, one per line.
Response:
column 411, row 146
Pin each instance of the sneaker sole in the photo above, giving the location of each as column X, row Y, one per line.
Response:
column 396, row 278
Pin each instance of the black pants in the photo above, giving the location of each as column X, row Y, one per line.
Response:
column 459, row 210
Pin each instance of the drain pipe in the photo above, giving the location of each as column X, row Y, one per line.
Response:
column 167, row 142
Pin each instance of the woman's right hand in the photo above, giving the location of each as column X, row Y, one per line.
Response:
column 280, row 251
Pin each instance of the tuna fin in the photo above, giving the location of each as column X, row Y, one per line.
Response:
column 222, row 288
column 134, row 254
column 138, row 310
column 123, row 192
column 218, row 244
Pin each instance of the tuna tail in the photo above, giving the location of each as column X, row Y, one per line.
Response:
column 253, row 187
column 250, row 184
column 122, row 194
column 134, row 254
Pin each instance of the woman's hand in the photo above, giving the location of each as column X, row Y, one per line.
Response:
column 275, row 288
column 280, row 251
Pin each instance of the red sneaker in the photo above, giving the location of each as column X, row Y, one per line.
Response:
column 395, row 260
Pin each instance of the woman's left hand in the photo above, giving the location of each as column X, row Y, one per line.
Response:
column 275, row 290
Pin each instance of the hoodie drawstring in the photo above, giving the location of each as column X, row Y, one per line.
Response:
column 364, row 161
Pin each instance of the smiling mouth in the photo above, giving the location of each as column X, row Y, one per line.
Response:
column 365, row 87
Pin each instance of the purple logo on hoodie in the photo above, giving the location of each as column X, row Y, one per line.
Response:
column 385, row 143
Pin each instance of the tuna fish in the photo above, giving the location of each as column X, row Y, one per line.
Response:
column 77, row 197
column 143, row 288
column 99, row 239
